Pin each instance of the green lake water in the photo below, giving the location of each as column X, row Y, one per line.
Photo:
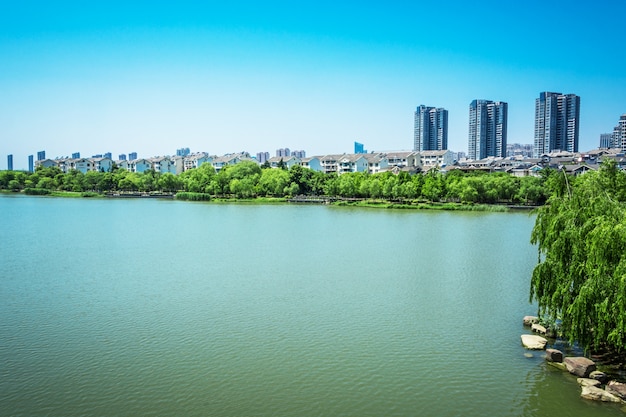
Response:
column 163, row 308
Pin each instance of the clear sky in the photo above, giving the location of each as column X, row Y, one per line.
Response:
column 222, row 77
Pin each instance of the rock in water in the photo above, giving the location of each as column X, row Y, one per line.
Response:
column 579, row 366
column 533, row 342
column 588, row 382
column 597, row 394
column 617, row 388
column 554, row 355
column 528, row 320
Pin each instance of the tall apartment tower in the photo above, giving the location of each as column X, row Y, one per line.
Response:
column 41, row 155
column 619, row 134
column 557, row 122
column 430, row 129
column 10, row 162
column 487, row 129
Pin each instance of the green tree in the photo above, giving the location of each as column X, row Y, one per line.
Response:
column 170, row 182
column 580, row 278
column 273, row 182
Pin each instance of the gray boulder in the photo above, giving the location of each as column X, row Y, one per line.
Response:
column 554, row 355
column 588, row 382
column 529, row 320
column 617, row 388
column 538, row 328
column 533, row 342
column 597, row 394
column 599, row 376
column 579, row 366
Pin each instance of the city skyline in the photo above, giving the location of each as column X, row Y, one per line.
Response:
column 318, row 76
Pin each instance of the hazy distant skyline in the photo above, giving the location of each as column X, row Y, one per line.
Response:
column 152, row 77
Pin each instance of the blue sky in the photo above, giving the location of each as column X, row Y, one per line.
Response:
column 221, row 77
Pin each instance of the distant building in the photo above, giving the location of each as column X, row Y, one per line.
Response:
column 182, row 152
column 76, row 155
column 430, row 129
column 619, row 134
column 299, row 154
column 283, row 152
column 132, row 156
column 10, row 162
column 41, row 155
column 108, row 155
column 262, row 157
column 359, row 148
column 606, row 140
column 98, row 155
column 557, row 123
column 516, row 149
column 121, row 157
column 31, row 163
column 487, row 129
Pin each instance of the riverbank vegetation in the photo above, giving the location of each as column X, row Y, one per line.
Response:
column 248, row 180
column 580, row 280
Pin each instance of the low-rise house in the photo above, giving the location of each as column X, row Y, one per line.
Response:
column 195, row 160
column 221, row 161
column 403, row 159
column 163, row 164
column 429, row 159
column 288, row 161
column 84, row 165
column 352, row 163
column 329, row 163
column 102, row 164
column 46, row 163
column 376, row 162
column 312, row 163
column 139, row 165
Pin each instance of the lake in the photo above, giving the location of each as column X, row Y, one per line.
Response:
column 128, row 307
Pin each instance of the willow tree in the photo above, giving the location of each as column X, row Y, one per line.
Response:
column 580, row 278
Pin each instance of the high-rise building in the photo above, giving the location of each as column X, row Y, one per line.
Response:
column 359, row 148
column 299, row 154
column 430, row 129
column 487, row 129
column 76, row 155
column 41, row 155
column 183, row 152
column 557, row 122
column 108, row 155
column 10, row 162
column 132, row 156
column 606, row 140
column 283, row 152
column 619, row 134
column 261, row 157
column 31, row 163
column 121, row 157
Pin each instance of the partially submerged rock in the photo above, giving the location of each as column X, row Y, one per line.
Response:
column 538, row 328
column 558, row 365
column 554, row 355
column 579, row 366
column 588, row 382
column 529, row 320
column 533, row 342
column 597, row 394
column 599, row 376
column 617, row 388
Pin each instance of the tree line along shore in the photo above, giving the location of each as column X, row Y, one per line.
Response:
column 248, row 180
